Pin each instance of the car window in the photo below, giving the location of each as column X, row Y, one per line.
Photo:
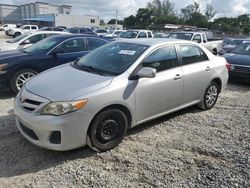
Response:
column 192, row 54
column 72, row 45
column 33, row 27
column 26, row 27
column 142, row 35
column 162, row 59
column 149, row 35
column 36, row 38
column 197, row 38
column 58, row 29
column 94, row 43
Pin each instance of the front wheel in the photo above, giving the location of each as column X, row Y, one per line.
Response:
column 210, row 97
column 108, row 129
column 17, row 34
column 20, row 78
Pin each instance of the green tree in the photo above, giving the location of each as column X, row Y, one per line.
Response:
column 210, row 12
column 130, row 21
column 113, row 21
column 188, row 11
column 144, row 17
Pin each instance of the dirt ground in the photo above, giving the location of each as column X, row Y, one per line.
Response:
column 191, row 148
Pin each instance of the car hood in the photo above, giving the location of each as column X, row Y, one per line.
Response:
column 65, row 83
column 11, row 54
column 238, row 59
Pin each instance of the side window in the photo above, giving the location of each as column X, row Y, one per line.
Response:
column 162, row 59
column 192, row 54
column 149, row 35
column 58, row 29
column 142, row 35
column 33, row 27
column 197, row 38
column 36, row 38
column 72, row 45
column 204, row 37
column 94, row 43
column 27, row 27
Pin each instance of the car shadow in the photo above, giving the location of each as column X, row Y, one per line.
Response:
column 6, row 94
column 19, row 157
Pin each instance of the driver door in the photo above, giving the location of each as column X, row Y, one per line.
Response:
column 155, row 96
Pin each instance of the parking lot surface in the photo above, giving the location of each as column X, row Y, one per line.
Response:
column 186, row 149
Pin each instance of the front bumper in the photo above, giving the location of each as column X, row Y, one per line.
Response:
column 59, row 133
column 4, row 83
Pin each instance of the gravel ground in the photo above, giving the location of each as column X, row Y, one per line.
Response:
column 191, row 148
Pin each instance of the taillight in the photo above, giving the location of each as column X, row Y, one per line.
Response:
column 228, row 66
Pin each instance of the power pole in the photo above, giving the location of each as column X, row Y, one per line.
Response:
column 116, row 21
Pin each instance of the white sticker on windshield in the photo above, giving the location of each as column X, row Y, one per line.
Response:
column 127, row 52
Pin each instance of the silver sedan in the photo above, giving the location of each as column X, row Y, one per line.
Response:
column 96, row 99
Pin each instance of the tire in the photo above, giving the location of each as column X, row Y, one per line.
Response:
column 17, row 34
column 214, row 51
column 210, row 97
column 107, row 129
column 20, row 78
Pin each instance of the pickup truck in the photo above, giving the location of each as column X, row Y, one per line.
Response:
column 23, row 30
column 213, row 45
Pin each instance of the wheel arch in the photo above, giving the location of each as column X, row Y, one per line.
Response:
column 121, row 107
column 218, row 82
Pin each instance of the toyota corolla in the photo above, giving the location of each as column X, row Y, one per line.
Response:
column 95, row 100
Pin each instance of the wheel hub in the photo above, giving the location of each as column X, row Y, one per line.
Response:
column 109, row 130
column 23, row 78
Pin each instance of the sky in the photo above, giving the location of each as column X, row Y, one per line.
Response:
column 106, row 9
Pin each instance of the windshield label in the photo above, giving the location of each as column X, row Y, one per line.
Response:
column 127, row 52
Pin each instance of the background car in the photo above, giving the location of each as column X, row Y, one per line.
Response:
column 231, row 44
column 15, row 32
column 17, row 67
column 26, row 40
column 114, row 34
column 52, row 29
column 7, row 27
column 80, row 30
column 137, row 34
column 239, row 59
column 102, row 32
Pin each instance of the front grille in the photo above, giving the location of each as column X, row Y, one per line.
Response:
column 29, row 132
column 29, row 105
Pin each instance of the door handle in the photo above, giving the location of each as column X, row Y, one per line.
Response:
column 208, row 68
column 177, row 77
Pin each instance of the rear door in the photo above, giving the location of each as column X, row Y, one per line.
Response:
column 196, row 72
column 157, row 95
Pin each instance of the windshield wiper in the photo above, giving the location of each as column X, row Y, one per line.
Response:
column 91, row 69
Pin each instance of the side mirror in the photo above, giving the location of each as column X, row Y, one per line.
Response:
column 146, row 72
column 26, row 42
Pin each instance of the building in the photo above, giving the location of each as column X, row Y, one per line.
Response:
column 10, row 13
column 45, row 14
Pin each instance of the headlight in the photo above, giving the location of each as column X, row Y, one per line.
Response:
column 61, row 108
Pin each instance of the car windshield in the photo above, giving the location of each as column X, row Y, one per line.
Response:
column 101, row 31
column 112, row 59
column 17, row 39
column 183, row 36
column 43, row 46
column 129, row 34
column 243, row 48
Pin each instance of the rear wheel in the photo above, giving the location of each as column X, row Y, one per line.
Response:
column 17, row 34
column 108, row 129
column 210, row 97
column 20, row 78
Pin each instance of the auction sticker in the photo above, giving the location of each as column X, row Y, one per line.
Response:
column 127, row 52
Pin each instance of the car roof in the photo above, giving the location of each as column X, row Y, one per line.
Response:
column 69, row 36
column 49, row 32
column 153, row 41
